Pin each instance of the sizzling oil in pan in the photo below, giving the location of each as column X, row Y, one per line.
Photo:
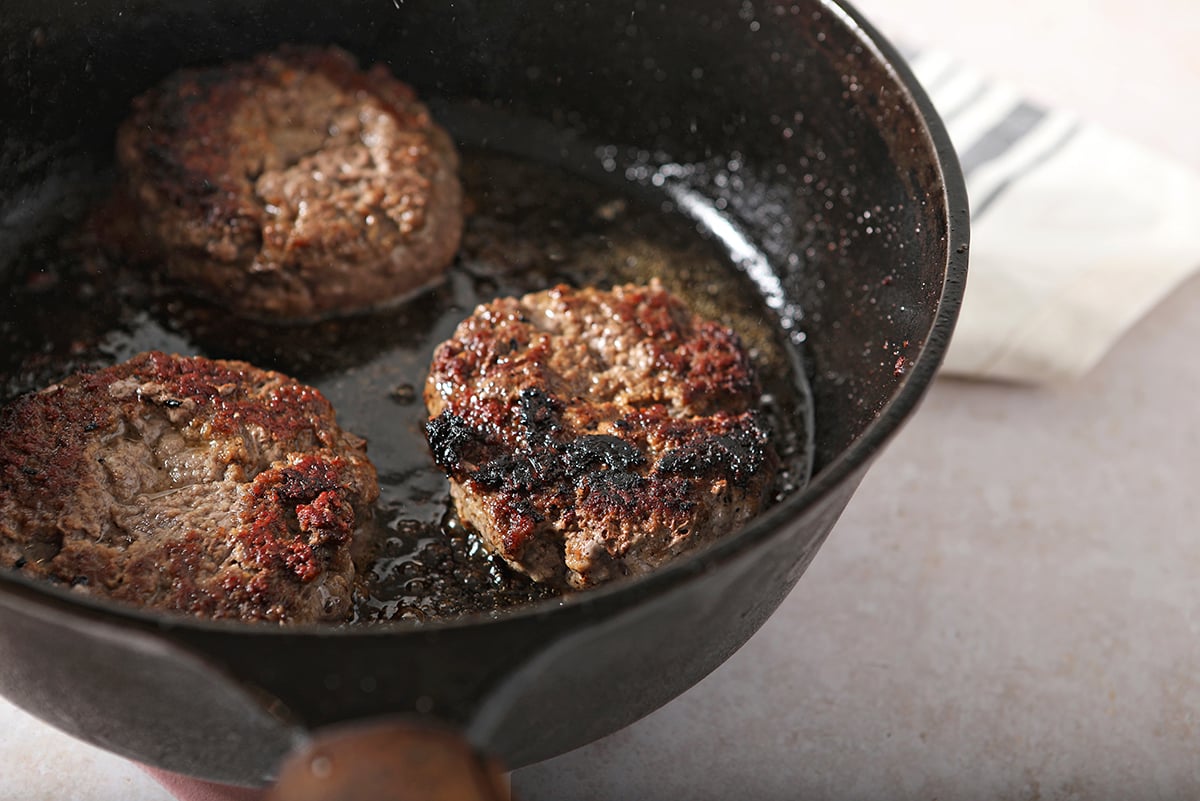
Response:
column 529, row 226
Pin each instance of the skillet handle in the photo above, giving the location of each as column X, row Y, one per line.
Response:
column 392, row 761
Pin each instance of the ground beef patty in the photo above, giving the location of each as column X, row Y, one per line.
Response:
column 292, row 185
column 207, row 487
column 591, row 434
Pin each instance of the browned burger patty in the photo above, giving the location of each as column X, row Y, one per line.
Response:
column 186, row 484
column 293, row 185
column 591, row 434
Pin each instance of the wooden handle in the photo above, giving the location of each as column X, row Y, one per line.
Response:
column 394, row 761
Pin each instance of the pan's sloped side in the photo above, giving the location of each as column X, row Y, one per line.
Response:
column 132, row 692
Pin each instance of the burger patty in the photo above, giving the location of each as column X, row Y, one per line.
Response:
column 594, row 434
column 198, row 486
column 293, row 185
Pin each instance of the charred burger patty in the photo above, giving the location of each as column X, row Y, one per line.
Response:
column 594, row 434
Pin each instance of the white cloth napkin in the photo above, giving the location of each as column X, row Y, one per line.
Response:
column 1075, row 232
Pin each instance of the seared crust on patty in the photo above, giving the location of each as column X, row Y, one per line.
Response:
column 292, row 185
column 191, row 485
column 593, row 434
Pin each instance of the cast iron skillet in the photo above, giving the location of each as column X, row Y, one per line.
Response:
column 857, row 210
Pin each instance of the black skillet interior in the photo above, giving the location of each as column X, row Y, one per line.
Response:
column 780, row 135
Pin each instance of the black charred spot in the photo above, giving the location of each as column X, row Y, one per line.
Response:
column 525, row 508
column 80, row 581
column 614, row 481
column 172, row 403
column 674, row 495
column 90, row 427
column 590, row 453
column 449, row 436
column 526, row 472
column 738, row 456
column 515, row 472
column 559, row 467
column 615, row 491
column 540, row 414
column 20, row 563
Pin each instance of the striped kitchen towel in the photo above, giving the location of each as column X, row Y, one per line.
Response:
column 1075, row 232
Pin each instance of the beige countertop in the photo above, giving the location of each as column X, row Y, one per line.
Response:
column 1008, row 607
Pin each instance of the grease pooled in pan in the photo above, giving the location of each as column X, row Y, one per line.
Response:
column 529, row 226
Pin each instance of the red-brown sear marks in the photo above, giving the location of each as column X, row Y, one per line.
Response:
column 253, row 592
column 222, row 403
column 516, row 517
column 661, row 317
column 43, row 442
column 715, row 368
column 293, row 510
